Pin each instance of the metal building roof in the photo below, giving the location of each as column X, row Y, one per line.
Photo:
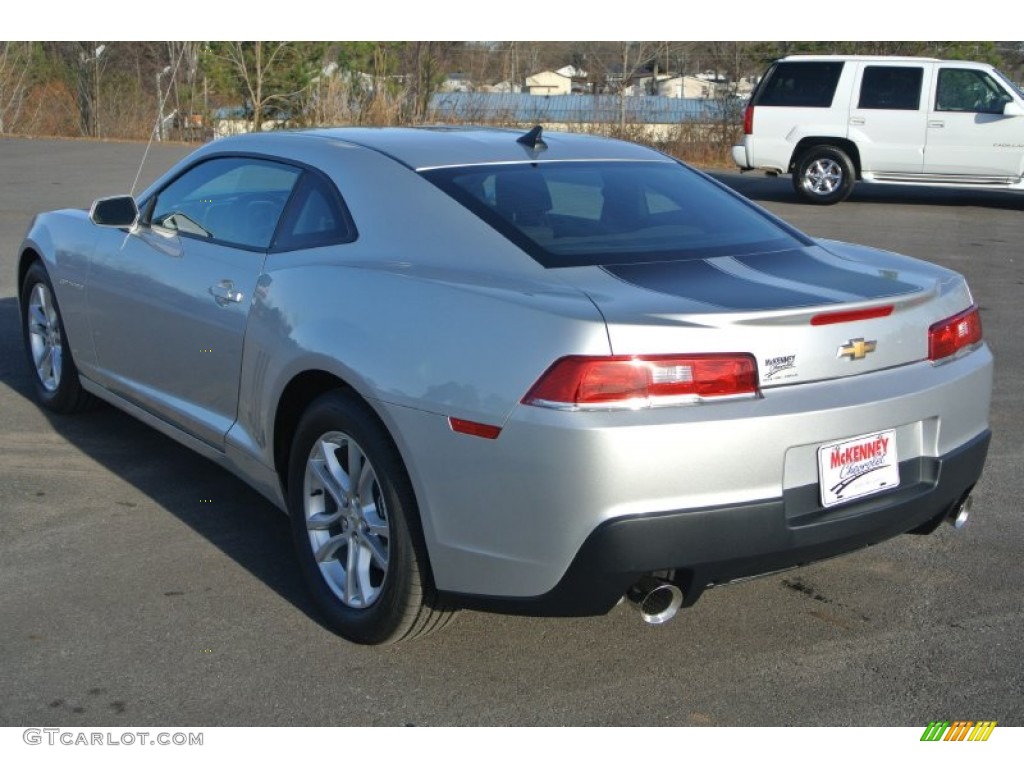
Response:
column 575, row 108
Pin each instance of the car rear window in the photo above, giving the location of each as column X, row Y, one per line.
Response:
column 799, row 84
column 586, row 213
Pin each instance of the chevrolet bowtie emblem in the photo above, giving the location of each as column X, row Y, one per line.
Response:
column 856, row 349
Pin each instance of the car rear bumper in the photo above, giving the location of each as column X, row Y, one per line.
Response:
column 739, row 156
column 513, row 516
column 716, row 545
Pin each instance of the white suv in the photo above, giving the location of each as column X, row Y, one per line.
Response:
column 831, row 120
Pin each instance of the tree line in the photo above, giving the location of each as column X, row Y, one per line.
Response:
column 170, row 90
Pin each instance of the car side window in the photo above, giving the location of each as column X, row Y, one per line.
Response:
column 233, row 200
column 891, row 88
column 316, row 216
column 800, row 84
column 969, row 90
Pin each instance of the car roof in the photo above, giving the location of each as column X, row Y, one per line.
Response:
column 446, row 146
column 841, row 57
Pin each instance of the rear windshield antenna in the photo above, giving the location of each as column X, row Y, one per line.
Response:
column 533, row 139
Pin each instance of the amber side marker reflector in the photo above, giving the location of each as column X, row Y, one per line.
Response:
column 832, row 318
column 474, row 428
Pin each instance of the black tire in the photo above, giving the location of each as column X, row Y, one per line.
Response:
column 824, row 175
column 54, row 373
column 337, row 436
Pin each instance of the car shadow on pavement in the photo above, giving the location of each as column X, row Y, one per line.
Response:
column 765, row 189
column 210, row 500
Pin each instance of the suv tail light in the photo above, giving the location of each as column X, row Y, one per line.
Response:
column 642, row 382
column 748, row 120
column 949, row 336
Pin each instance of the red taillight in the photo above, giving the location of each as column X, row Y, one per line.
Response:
column 640, row 382
column 949, row 336
column 748, row 120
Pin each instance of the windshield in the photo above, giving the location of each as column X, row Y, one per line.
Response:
column 585, row 213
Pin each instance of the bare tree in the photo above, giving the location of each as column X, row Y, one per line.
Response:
column 361, row 86
column 614, row 68
column 15, row 61
column 250, row 63
column 271, row 77
column 425, row 67
column 184, row 96
column 82, row 65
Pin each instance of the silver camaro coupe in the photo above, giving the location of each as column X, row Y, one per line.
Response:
column 518, row 372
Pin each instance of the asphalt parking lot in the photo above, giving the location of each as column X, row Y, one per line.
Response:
column 142, row 585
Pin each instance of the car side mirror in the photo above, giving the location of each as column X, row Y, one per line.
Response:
column 1012, row 108
column 120, row 211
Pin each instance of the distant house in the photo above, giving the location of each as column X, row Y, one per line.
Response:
column 231, row 121
column 349, row 78
column 573, row 73
column 686, row 87
column 577, row 78
column 628, row 82
column 503, row 87
column 745, row 86
column 456, row 82
column 548, row 83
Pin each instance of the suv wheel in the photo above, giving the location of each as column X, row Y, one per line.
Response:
column 824, row 175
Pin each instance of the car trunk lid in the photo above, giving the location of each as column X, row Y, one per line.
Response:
column 808, row 314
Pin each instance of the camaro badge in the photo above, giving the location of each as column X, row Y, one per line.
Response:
column 856, row 349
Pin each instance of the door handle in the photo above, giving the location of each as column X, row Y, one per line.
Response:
column 857, row 121
column 936, row 124
column 224, row 293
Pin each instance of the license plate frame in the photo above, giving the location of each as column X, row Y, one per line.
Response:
column 856, row 467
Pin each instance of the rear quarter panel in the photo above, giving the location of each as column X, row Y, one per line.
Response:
column 428, row 309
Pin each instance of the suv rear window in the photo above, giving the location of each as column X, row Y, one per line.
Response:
column 800, row 84
column 567, row 214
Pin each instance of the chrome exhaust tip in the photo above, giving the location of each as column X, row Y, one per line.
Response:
column 656, row 599
column 958, row 518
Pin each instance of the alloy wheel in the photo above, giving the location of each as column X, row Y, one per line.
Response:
column 823, row 176
column 45, row 340
column 347, row 520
